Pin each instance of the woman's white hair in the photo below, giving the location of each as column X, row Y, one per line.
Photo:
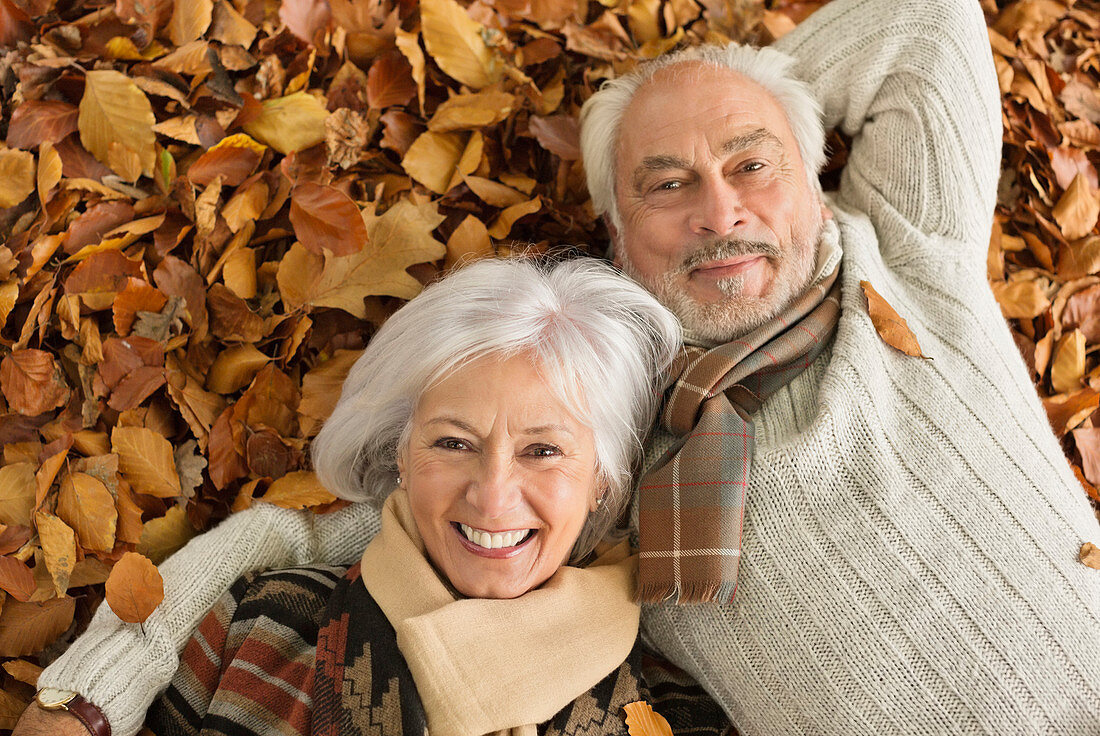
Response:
column 602, row 114
column 601, row 342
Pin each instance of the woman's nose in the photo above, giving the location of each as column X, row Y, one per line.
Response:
column 496, row 489
column 718, row 210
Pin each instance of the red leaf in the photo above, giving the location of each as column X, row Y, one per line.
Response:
column 36, row 121
column 325, row 218
column 32, row 382
column 16, row 578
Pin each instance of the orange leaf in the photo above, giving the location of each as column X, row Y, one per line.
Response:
column 325, row 219
column 135, row 588
column 298, row 490
column 26, row 628
column 32, row 382
column 642, row 720
column 1090, row 555
column 86, row 505
column 233, row 163
column 59, row 546
column 17, row 489
column 146, row 461
column 1077, row 209
column 16, row 578
column 390, row 81
column 890, row 326
column 34, row 122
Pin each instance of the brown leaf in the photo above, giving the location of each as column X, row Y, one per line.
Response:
column 1083, row 100
column 234, row 368
column 27, row 628
column 297, row 490
column 135, row 588
column 1067, row 411
column 1067, row 162
column 433, row 158
column 1021, row 299
column 40, row 121
column 23, row 671
column 325, row 219
column 1082, row 311
column 230, row 27
column 306, row 19
column 138, row 296
column 58, row 542
column 233, row 163
column 390, row 81
column 888, row 324
column 86, row 505
column 32, row 382
column 559, row 134
column 1077, row 210
column 409, row 47
column 13, row 537
column 146, row 461
column 230, row 316
column 456, row 43
column 321, row 389
column 1090, row 555
column 1087, row 441
column 116, row 116
column 17, row 493
column 16, row 578
column 469, row 242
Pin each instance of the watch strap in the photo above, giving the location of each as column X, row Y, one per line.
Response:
column 87, row 713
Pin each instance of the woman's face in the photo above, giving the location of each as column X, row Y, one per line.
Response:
column 500, row 477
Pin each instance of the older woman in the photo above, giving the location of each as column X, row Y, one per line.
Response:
column 498, row 417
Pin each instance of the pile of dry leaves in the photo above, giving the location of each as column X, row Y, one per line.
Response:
column 208, row 206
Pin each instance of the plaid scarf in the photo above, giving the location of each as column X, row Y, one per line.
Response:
column 697, row 490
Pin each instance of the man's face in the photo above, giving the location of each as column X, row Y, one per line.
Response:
column 718, row 220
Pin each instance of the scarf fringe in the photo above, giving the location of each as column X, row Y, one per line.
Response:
column 680, row 594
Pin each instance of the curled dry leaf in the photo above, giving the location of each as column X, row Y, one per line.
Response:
column 888, row 323
column 642, row 720
column 135, row 588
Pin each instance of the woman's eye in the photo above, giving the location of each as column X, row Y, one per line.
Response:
column 452, row 443
column 545, row 451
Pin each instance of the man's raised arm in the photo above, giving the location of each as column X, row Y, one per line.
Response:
column 913, row 83
column 121, row 669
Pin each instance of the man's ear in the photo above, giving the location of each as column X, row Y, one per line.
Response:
column 616, row 246
column 826, row 213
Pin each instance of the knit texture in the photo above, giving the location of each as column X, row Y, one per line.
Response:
column 911, row 526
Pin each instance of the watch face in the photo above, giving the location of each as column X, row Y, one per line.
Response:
column 53, row 698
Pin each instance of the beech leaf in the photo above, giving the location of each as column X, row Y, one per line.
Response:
column 888, row 323
column 642, row 720
column 85, row 504
column 27, row 628
column 297, row 490
column 17, row 171
column 135, row 588
column 16, row 578
column 290, row 123
column 58, row 542
column 1078, row 209
column 32, row 382
column 190, row 19
column 455, row 42
column 325, row 218
column 1090, row 555
column 114, row 112
column 146, row 461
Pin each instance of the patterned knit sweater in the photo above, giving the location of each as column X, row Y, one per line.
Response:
column 912, row 528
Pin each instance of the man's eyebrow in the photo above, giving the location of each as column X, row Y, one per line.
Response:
column 750, row 139
column 650, row 164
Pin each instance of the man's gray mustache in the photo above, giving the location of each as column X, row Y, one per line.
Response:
column 722, row 249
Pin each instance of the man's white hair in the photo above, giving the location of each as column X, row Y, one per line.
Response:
column 602, row 114
column 601, row 342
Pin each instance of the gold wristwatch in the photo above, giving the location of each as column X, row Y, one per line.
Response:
column 52, row 698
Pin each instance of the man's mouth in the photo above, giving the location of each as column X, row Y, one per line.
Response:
column 727, row 267
column 495, row 540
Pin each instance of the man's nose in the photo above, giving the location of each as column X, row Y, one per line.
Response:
column 719, row 209
column 496, row 488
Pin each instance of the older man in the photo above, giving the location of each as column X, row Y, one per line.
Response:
column 871, row 543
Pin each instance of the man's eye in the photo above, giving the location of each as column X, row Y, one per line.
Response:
column 752, row 166
column 668, row 186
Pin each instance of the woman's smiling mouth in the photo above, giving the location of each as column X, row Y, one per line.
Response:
column 493, row 544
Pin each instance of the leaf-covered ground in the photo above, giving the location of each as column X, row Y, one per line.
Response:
column 207, row 206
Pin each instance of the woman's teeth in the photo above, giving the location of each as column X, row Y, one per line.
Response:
column 494, row 541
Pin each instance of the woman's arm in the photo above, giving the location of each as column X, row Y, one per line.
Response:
column 121, row 669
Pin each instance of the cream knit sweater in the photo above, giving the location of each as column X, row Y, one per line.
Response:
column 912, row 528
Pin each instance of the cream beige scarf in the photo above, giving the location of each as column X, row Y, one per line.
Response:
column 499, row 666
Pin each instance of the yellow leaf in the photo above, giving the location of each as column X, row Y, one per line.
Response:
column 190, row 19
column 298, row 275
column 134, row 588
column 470, row 111
column 503, row 224
column 433, row 158
column 9, row 294
column 49, row 171
column 297, row 490
column 455, row 42
column 17, row 487
column 239, row 272
column 59, row 546
column 642, row 720
column 409, row 46
column 290, row 123
column 890, row 326
column 494, row 193
column 470, row 159
column 86, row 505
column 397, row 240
column 1020, row 299
column 230, row 27
column 165, row 535
column 16, row 176
column 239, row 140
column 234, row 368
column 1078, row 208
column 246, row 205
column 114, row 111
column 145, row 460
column 469, row 242
column 1069, row 363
